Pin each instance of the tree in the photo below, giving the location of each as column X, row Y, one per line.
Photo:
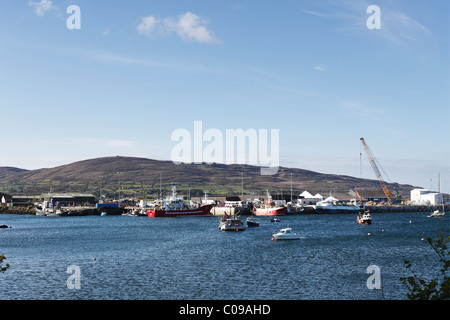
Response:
column 434, row 289
column 3, row 269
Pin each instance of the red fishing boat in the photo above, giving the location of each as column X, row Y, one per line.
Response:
column 175, row 207
column 203, row 211
column 270, row 209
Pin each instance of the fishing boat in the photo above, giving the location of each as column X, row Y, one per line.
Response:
column 251, row 222
column 175, row 207
column 440, row 211
column 294, row 208
column 46, row 209
column 332, row 205
column 285, row 234
column 270, row 208
column 365, row 218
column 231, row 223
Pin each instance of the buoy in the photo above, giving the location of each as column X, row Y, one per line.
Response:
column 382, row 230
column 273, row 239
column 410, row 221
column 422, row 239
column 94, row 259
column 368, row 234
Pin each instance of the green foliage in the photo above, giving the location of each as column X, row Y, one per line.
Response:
column 3, row 269
column 434, row 289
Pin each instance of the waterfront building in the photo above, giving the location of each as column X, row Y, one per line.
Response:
column 425, row 197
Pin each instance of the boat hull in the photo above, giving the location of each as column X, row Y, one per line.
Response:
column 336, row 210
column 284, row 237
column 270, row 212
column 227, row 227
column 252, row 224
column 204, row 211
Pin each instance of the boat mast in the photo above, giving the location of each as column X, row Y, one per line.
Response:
column 440, row 193
column 291, row 190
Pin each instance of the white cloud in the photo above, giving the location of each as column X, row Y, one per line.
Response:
column 191, row 27
column 40, row 8
column 148, row 25
column 188, row 26
column 319, row 67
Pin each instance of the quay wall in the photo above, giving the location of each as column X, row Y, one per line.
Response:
column 402, row 208
column 81, row 211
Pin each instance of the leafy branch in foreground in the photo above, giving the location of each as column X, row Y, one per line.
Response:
column 434, row 289
column 3, row 269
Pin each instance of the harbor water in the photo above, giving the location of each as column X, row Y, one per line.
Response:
column 121, row 257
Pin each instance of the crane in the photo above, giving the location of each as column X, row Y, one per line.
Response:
column 376, row 170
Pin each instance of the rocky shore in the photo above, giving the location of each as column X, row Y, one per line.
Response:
column 79, row 211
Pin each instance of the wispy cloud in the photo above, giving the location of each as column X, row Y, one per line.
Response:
column 351, row 16
column 188, row 26
column 400, row 28
column 40, row 8
column 319, row 67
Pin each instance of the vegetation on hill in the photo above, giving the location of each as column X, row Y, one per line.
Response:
column 140, row 177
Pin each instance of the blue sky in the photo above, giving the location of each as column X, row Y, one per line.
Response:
column 138, row 70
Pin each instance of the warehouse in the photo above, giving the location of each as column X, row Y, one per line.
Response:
column 70, row 199
column 425, row 197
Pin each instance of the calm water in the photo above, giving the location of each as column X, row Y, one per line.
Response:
column 189, row 258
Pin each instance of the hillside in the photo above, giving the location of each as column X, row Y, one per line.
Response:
column 139, row 176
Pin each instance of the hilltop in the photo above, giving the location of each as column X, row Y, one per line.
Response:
column 139, row 176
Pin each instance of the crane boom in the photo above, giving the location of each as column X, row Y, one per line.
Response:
column 376, row 170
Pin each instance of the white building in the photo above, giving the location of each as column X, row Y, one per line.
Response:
column 425, row 197
column 306, row 198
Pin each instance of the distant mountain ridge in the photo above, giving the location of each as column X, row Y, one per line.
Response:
column 142, row 174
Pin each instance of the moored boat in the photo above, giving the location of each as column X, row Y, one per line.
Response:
column 175, row 207
column 332, row 205
column 251, row 222
column 269, row 208
column 270, row 211
column 439, row 212
column 294, row 207
column 232, row 223
column 365, row 218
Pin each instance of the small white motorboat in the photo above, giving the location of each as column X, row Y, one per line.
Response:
column 285, row 234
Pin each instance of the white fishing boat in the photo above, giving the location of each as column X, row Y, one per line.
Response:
column 231, row 223
column 46, row 209
column 332, row 205
column 294, row 207
column 440, row 211
column 365, row 218
column 285, row 234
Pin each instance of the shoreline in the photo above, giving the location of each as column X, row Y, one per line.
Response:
column 92, row 211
